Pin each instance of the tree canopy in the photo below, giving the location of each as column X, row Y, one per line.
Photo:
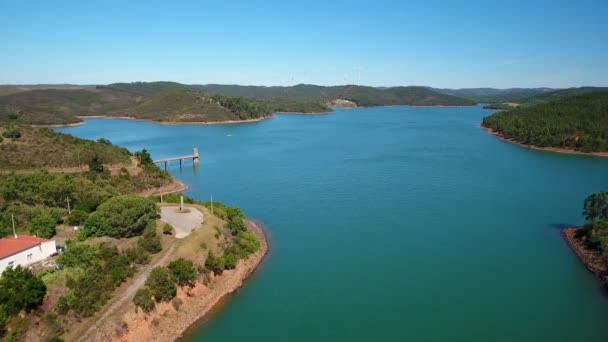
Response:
column 121, row 216
column 577, row 122
column 20, row 290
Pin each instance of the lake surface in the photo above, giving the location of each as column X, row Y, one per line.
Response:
column 402, row 224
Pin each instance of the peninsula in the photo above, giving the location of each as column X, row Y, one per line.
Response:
column 570, row 124
column 132, row 263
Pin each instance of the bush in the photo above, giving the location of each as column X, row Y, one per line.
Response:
column 167, row 229
column 43, row 225
column 96, row 164
column 62, row 305
column 229, row 261
column 183, row 271
column 4, row 316
column 138, row 255
column 12, row 133
column 88, row 204
column 161, row 284
column 77, row 217
column 121, row 216
column 20, row 290
column 78, row 255
column 150, row 241
column 214, row 264
column 143, row 299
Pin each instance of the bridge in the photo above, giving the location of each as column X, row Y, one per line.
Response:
column 193, row 156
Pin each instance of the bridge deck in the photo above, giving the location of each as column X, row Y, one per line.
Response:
column 175, row 158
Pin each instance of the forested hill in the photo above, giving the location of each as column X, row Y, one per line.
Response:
column 577, row 122
column 362, row 96
column 493, row 95
column 158, row 102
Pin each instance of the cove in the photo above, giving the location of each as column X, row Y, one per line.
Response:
column 391, row 223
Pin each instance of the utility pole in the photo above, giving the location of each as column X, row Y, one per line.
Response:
column 69, row 209
column 14, row 231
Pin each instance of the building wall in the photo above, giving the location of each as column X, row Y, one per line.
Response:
column 29, row 256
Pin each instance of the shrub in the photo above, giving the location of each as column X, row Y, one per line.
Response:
column 183, row 271
column 121, row 216
column 138, row 255
column 161, row 284
column 43, row 225
column 62, row 305
column 88, row 204
column 150, row 241
column 4, row 316
column 96, row 164
column 104, row 141
column 229, row 261
column 12, row 132
column 20, row 290
column 77, row 217
column 167, row 229
column 143, row 299
column 78, row 255
column 215, row 264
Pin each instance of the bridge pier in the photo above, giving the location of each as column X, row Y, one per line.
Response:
column 194, row 157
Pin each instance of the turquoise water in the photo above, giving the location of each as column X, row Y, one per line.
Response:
column 406, row 224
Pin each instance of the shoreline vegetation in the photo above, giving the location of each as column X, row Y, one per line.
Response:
column 175, row 103
column 592, row 259
column 545, row 149
column 197, row 304
column 106, row 285
column 576, row 124
column 590, row 241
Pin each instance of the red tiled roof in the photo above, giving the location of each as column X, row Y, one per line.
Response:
column 10, row 245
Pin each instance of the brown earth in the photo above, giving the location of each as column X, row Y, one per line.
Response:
column 592, row 259
column 169, row 321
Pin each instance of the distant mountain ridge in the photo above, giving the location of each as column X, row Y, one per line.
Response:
column 176, row 102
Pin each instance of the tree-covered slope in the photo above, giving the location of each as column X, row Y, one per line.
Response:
column 184, row 105
column 362, row 96
column 577, row 122
column 493, row 95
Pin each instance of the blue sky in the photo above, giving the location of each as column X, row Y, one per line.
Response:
column 434, row 43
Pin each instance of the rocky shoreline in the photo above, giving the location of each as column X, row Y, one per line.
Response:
column 592, row 259
column 166, row 323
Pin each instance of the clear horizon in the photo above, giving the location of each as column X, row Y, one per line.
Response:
column 437, row 44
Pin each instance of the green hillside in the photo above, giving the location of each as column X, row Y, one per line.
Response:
column 577, row 122
column 158, row 102
column 60, row 106
column 42, row 147
column 493, row 95
column 362, row 96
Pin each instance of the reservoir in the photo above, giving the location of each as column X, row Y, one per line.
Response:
column 391, row 224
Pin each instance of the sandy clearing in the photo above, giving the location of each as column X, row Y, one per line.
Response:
column 183, row 223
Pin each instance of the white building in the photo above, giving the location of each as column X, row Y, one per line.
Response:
column 24, row 250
